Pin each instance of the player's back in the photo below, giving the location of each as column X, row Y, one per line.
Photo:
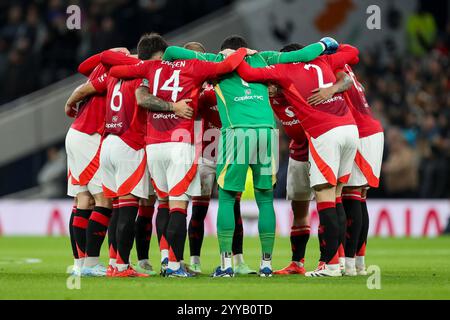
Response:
column 366, row 122
column 301, row 79
column 244, row 104
column 90, row 117
column 172, row 81
column 123, row 117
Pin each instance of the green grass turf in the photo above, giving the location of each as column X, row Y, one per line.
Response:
column 410, row 269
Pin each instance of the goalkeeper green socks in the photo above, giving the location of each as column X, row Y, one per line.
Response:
column 266, row 221
column 225, row 225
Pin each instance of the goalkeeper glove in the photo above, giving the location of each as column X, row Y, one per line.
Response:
column 330, row 44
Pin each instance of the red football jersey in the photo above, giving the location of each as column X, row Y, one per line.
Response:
column 285, row 113
column 123, row 116
column 174, row 81
column 90, row 117
column 298, row 80
column 356, row 100
column 211, row 124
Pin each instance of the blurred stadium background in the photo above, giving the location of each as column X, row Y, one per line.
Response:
column 404, row 67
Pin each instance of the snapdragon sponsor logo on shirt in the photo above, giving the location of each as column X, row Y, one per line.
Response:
column 290, row 123
column 164, row 116
column 246, row 98
column 114, row 125
column 333, row 99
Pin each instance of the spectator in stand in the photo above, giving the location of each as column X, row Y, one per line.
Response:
column 400, row 168
column 52, row 176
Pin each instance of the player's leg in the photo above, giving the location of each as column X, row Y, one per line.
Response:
column 95, row 235
column 176, row 233
column 200, row 206
column 328, row 232
column 162, row 220
column 157, row 164
column 77, row 262
column 262, row 162
column 369, row 161
column 127, row 213
column 112, row 239
column 266, row 228
column 143, row 234
column 299, row 237
column 362, row 241
column 324, row 156
column 342, row 222
column 225, row 230
column 85, row 205
column 352, row 202
column 300, row 193
column 231, row 177
column 81, row 149
column 183, row 183
column 72, row 191
column 240, row 267
column 196, row 230
column 132, row 179
column 351, row 178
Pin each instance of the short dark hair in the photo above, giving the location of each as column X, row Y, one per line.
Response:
column 234, row 42
column 292, row 47
column 149, row 44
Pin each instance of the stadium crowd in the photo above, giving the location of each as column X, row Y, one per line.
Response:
column 409, row 94
column 34, row 39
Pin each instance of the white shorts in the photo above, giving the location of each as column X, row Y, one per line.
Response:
column 173, row 170
column 298, row 186
column 332, row 154
column 123, row 169
column 207, row 172
column 83, row 158
column 367, row 165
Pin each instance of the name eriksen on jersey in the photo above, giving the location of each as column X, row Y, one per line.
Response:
column 175, row 64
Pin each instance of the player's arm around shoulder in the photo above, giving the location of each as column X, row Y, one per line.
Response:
column 79, row 94
column 179, row 53
column 146, row 100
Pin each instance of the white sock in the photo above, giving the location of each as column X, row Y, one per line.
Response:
column 164, row 254
column 298, row 263
column 225, row 258
column 143, row 261
column 349, row 263
column 333, row 267
column 360, row 261
column 78, row 263
column 112, row 262
column 238, row 259
column 195, row 260
column 342, row 261
column 91, row 261
column 174, row 265
column 266, row 261
column 121, row 267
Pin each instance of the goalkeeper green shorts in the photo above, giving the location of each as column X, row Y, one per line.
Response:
column 241, row 148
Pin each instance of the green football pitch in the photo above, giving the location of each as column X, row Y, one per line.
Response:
column 34, row 268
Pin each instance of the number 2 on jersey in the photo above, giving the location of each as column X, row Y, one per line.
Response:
column 175, row 88
column 319, row 75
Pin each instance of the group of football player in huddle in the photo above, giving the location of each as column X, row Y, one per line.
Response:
column 135, row 140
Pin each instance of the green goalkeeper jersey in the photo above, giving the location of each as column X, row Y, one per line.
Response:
column 243, row 104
